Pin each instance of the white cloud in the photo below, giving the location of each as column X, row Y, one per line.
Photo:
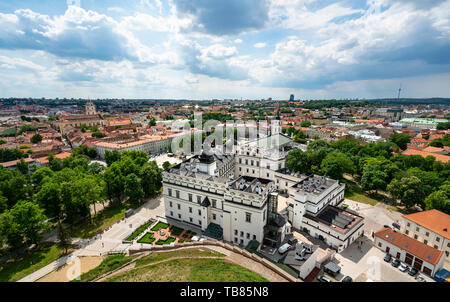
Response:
column 259, row 45
column 238, row 41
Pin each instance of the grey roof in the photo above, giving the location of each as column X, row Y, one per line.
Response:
column 300, row 254
column 333, row 267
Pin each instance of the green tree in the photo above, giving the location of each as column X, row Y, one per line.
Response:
column 336, row 164
column 408, row 190
column 22, row 166
column 133, row 188
column 401, row 140
column 438, row 200
column 373, row 178
column 166, row 165
column 112, row 156
column 152, row 122
column 305, row 124
column 298, row 161
column 49, row 198
column 10, row 230
column 31, row 220
column 36, row 139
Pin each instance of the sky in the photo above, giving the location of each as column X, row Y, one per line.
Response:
column 205, row 49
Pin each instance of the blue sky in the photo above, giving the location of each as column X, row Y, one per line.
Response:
column 203, row 49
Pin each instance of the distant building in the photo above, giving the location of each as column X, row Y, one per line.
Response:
column 291, row 98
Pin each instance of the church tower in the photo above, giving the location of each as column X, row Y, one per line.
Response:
column 90, row 108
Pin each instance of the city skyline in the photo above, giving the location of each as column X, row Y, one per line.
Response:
column 253, row 49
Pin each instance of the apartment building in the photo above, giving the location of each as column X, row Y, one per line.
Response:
column 431, row 227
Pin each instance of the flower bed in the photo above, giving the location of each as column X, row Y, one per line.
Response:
column 176, row 231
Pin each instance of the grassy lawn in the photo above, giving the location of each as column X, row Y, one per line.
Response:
column 109, row 264
column 139, row 231
column 20, row 267
column 101, row 221
column 362, row 198
column 169, row 240
column 159, row 256
column 190, row 270
column 147, row 238
column 160, row 225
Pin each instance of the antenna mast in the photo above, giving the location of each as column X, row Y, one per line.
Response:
column 399, row 90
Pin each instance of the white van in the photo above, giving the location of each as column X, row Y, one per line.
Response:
column 284, row 248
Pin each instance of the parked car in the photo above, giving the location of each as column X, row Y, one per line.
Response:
column 387, row 258
column 323, row 279
column 395, row 263
column 412, row 271
column 195, row 238
column 292, row 241
column 387, row 226
column 403, row 267
column 284, row 248
column 396, row 225
column 347, row 279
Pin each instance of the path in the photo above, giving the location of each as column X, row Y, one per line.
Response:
column 109, row 240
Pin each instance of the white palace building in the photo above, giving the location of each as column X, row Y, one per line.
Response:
column 235, row 197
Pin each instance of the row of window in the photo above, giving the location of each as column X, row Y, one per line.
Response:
column 190, row 197
column 191, row 220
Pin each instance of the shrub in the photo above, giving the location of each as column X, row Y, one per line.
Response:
column 147, row 238
column 160, row 225
column 176, row 231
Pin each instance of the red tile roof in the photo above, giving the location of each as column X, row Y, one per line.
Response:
column 410, row 245
column 439, row 157
column 434, row 220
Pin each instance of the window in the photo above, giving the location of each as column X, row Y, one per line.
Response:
column 199, row 212
column 248, row 217
column 214, row 216
column 235, row 232
column 199, row 199
column 252, row 162
column 190, row 210
column 235, row 239
column 415, row 236
column 190, row 197
column 417, row 229
column 179, row 216
column 190, row 219
column 408, row 224
column 170, row 204
column 379, row 244
column 170, row 192
column 214, row 203
column 248, row 235
column 407, row 232
column 427, row 234
column 242, row 234
column 200, row 222
column 246, row 161
column 240, row 160
column 179, row 207
column 177, row 193
column 171, row 213
column 435, row 246
column 254, row 237
column 438, row 239
column 425, row 241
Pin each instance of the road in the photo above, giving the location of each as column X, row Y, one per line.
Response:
column 110, row 240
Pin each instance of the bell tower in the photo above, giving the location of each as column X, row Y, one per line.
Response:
column 90, row 108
